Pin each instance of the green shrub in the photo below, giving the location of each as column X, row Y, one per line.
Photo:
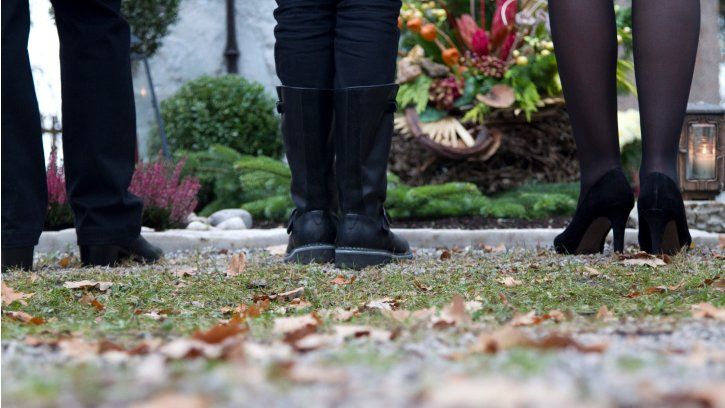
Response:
column 150, row 21
column 276, row 208
column 226, row 110
column 220, row 186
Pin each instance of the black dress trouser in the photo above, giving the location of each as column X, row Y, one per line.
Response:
column 333, row 44
column 99, row 129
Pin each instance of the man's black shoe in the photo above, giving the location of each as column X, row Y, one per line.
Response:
column 17, row 258
column 139, row 250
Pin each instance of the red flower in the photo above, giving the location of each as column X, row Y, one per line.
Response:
column 480, row 42
column 474, row 37
column 507, row 46
column 503, row 23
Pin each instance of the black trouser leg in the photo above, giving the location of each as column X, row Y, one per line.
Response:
column 304, row 51
column 24, row 194
column 366, row 42
column 99, row 129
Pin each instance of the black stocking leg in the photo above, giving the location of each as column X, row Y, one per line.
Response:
column 666, row 34
column 584, row 35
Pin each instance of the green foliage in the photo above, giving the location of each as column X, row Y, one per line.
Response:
column 150, row 21
column 632, row 158
column 262, row 177
column 464, row 199
column 477, row 114
column 58, row 217
column 415, row 93
column 220, row 187
column 261, row 186
column 275, row 208
column 625, row 70
column 226, row 110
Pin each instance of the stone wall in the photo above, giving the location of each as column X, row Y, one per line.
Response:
column 195, row 44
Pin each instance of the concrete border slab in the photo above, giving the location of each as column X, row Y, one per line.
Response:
column 178, row 240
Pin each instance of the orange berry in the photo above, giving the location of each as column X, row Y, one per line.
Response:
column 451, row 56
column 429, row 32
column 415, row 24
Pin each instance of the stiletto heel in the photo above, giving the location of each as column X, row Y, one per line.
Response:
column 605, row 207
column 663, row 222
column 619, row 225
column 657, row 222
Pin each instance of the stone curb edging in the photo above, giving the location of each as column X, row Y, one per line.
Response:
column 178, row 240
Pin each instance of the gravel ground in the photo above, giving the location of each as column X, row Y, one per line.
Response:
column 648, row 361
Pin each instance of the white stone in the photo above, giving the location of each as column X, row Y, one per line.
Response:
column 223, row 215
column 234, row 223
column 147, row 229
column 197, row 226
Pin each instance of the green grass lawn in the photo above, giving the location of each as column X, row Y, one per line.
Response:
column 541, row 283
column 653, row 333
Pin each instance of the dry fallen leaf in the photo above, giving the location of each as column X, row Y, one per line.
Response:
column 237, row 264
column 494, row 250
column 591, row 272
column 453, row 314
column 184, row 272
column 9, row 295
column 168, row 400
column 65, row 261
column 221, row 332
column 354, row 331
column 344, row 315
column 604, row 314
column 707, row 311
column 24, row 317
column 405, row 315
column 382, row 304
column 88, row 284
column 89, row 299
column 641, row 258
column 277, row 250
column 445, row 254
column 296, row 327
column 509, row 281
column 526, row 319
column 663, row 289
column 341, row 280
column 509, row 337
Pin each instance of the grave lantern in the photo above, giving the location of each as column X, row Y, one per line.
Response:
column 702, row 152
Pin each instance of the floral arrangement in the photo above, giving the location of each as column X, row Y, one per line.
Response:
column 168, row 198
column 463, row 59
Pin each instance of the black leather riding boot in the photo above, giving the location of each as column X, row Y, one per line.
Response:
column 306, row 127
column 363, row 134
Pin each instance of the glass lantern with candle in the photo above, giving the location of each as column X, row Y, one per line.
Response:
column 702, row 152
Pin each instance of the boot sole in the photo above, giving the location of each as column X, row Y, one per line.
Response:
column 311, row 254
column 356, row 258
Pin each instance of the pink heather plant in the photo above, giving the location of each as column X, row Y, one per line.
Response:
column 58, row 215
column 55, row 177
column 168, row 199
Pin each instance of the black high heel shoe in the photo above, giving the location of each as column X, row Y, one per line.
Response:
column 605, row 207
column 662, row 218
